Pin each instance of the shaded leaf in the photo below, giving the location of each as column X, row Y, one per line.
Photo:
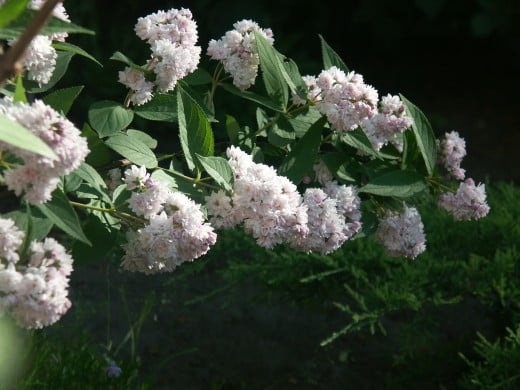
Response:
column 63, row 215
column 423, row 135
column 330, row 57
column 61, row 99
column 162, row 107
column 401, row 184
column 66, row 46
column 108, row 117
column 132, row 149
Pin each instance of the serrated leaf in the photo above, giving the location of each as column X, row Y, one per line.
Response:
column 218, row 168
column 63, row 215
column 108, row 117
column 61, row 99
column 92, row 177
column 423, row 135
column 330, row 57
column 132, row 149
column 66, row 46
column 401, row 184
column 274, row 80
column 10, row 10
column 300, row 159
column 359, row 140
column 195, row 132
column 143, row 137
column 118, row 56
column 62, row 64
column 162, row 107
column 53, row 26
column 13, row 133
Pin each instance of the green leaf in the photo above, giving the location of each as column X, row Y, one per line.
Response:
column 233, row 129
column 162, row 107
column 163, row 176
column 359, row 140
column 132, row 149
column 199, row 77
column 330, row 57
column 401, row 184
column 423, row 135
column 63, row 215
column 108, row 117
column 99, row 154
column 54, row 25
column 143, row 137
column 10, row 10
column 274, row 80
column 303, row 121
column 19, row 91
column 195, row 131
column 62, row 64
column 61, row 99
column 268, row 103
column 295, row 80
column 92, row 177
column 17, row 135
column 300, row 159
column 218, row 168
column 281, row 133
column 118, row 56
column 40, row 225
column 104, row 237
column 65, row 46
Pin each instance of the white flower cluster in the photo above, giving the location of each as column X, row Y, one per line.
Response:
column 469, row 202
column 273, row 212
column 268, row 205
column 333, row 218
column 39, row 176
column 238, row 52
column 390, row 121
column 175, row 231
column 322, row 172
column 344, row 98
column 172, row 36
column 35, row 294
column 402, row 234
column 452, row 150
column 39, row 59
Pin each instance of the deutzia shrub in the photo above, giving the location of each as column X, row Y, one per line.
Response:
column 325, row 160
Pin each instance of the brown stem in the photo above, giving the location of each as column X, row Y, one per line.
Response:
column 13, row 55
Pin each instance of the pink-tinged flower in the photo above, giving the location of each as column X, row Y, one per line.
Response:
column 468, row 203
column 268, row 205
column 39, row 176
column 402, row 234
column 345, row 99
column 172, row 36
column 238, row 52
column 452, row 150
column 388, row 123
column 10, row 240
column 322, row 172
column 35, row 295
